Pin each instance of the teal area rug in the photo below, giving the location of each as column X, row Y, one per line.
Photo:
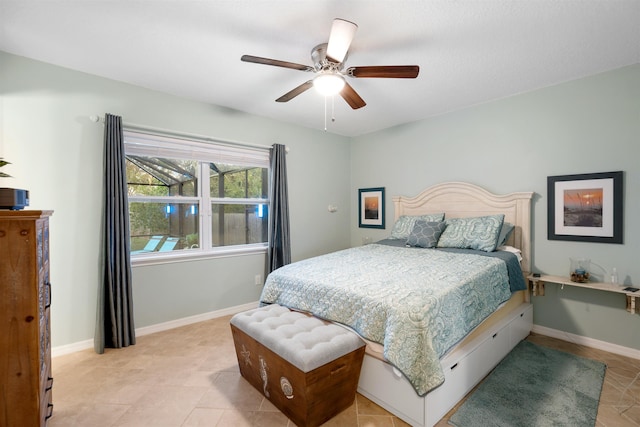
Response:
column 535, row 386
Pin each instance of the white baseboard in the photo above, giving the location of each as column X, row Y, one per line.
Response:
column 542, row 330
column 194, row 319
column 146, row 330
column 61, row 350
column 589, row 342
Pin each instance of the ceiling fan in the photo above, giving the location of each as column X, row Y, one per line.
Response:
column 328, row 65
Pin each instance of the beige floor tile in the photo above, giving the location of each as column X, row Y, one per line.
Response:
column 172, row 397
column 348, row 417
column 397, row 422
column 189, row 377
column 253, row 419
column 608, row 416
column 153, row 416
column 122, row 393
column 203, row 417
column 231, row 391
column 367, row 407
column 375, row 421
column 73, row 414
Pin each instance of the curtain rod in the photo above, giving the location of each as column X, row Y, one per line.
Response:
column 168, row 132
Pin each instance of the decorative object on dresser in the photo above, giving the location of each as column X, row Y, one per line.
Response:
column 12, row 198
column 306, row 367
column 25, row 299
column 585, row 208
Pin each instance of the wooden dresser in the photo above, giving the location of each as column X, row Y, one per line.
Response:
column 25, row 297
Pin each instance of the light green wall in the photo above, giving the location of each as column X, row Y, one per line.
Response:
column 56, row 153
column 583, row 126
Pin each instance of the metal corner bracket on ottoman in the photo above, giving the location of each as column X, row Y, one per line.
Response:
column 306, row 367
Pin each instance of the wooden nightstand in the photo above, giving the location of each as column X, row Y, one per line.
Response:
column 633, row 298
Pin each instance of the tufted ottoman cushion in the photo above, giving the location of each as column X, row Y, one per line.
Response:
column 304, row 341
column 306, row 367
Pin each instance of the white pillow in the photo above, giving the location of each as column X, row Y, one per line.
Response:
column 511, row 249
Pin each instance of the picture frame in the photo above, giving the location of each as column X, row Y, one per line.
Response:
column 585, row 207
column 371, row 207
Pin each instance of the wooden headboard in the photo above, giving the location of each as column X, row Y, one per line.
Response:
column 460, row 199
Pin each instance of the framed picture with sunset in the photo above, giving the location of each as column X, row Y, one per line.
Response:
column 586, row 207
column 371, row 207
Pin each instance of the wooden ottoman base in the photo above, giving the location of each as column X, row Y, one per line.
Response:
column 307, row 398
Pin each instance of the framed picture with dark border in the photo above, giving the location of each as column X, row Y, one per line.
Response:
column 586, row 207
column 371, row 207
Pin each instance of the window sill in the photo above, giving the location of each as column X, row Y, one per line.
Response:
column 191, row 255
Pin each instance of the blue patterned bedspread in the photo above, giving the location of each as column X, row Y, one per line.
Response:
column 416, row 303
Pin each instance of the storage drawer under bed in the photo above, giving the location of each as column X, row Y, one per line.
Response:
column 463, row 369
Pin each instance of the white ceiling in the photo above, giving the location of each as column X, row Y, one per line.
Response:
column 469, row 51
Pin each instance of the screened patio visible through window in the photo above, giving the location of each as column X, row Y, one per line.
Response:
column 182, row 201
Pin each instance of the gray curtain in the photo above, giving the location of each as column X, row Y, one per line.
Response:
column 114, row 326
column 279, row 252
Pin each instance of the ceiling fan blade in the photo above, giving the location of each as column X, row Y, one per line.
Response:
column 295, row 92
column 352, row 97
column 340, row 38
column 275, row 62
column 385, row 71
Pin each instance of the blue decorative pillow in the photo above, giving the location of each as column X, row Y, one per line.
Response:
column 505, row 232
column 425, row 234
column 403, row 226
column 480, row 233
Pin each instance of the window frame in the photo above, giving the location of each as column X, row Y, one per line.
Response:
column 205, row 151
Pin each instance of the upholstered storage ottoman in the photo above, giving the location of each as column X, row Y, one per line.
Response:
column 308, row 368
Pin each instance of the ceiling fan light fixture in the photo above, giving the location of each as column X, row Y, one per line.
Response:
column 328, row 84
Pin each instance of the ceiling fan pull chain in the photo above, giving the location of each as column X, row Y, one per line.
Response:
column 333, row 112
column 325, row 113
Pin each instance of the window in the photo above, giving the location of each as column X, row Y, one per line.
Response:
column 194, row 198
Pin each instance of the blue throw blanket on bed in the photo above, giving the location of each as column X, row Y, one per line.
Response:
column 417, row 303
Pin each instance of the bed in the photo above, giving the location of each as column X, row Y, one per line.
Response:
column 437, row 320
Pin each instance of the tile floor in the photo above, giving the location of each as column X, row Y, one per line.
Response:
column 188, row 376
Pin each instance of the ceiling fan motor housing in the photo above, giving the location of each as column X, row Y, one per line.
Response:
column 322, row 63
